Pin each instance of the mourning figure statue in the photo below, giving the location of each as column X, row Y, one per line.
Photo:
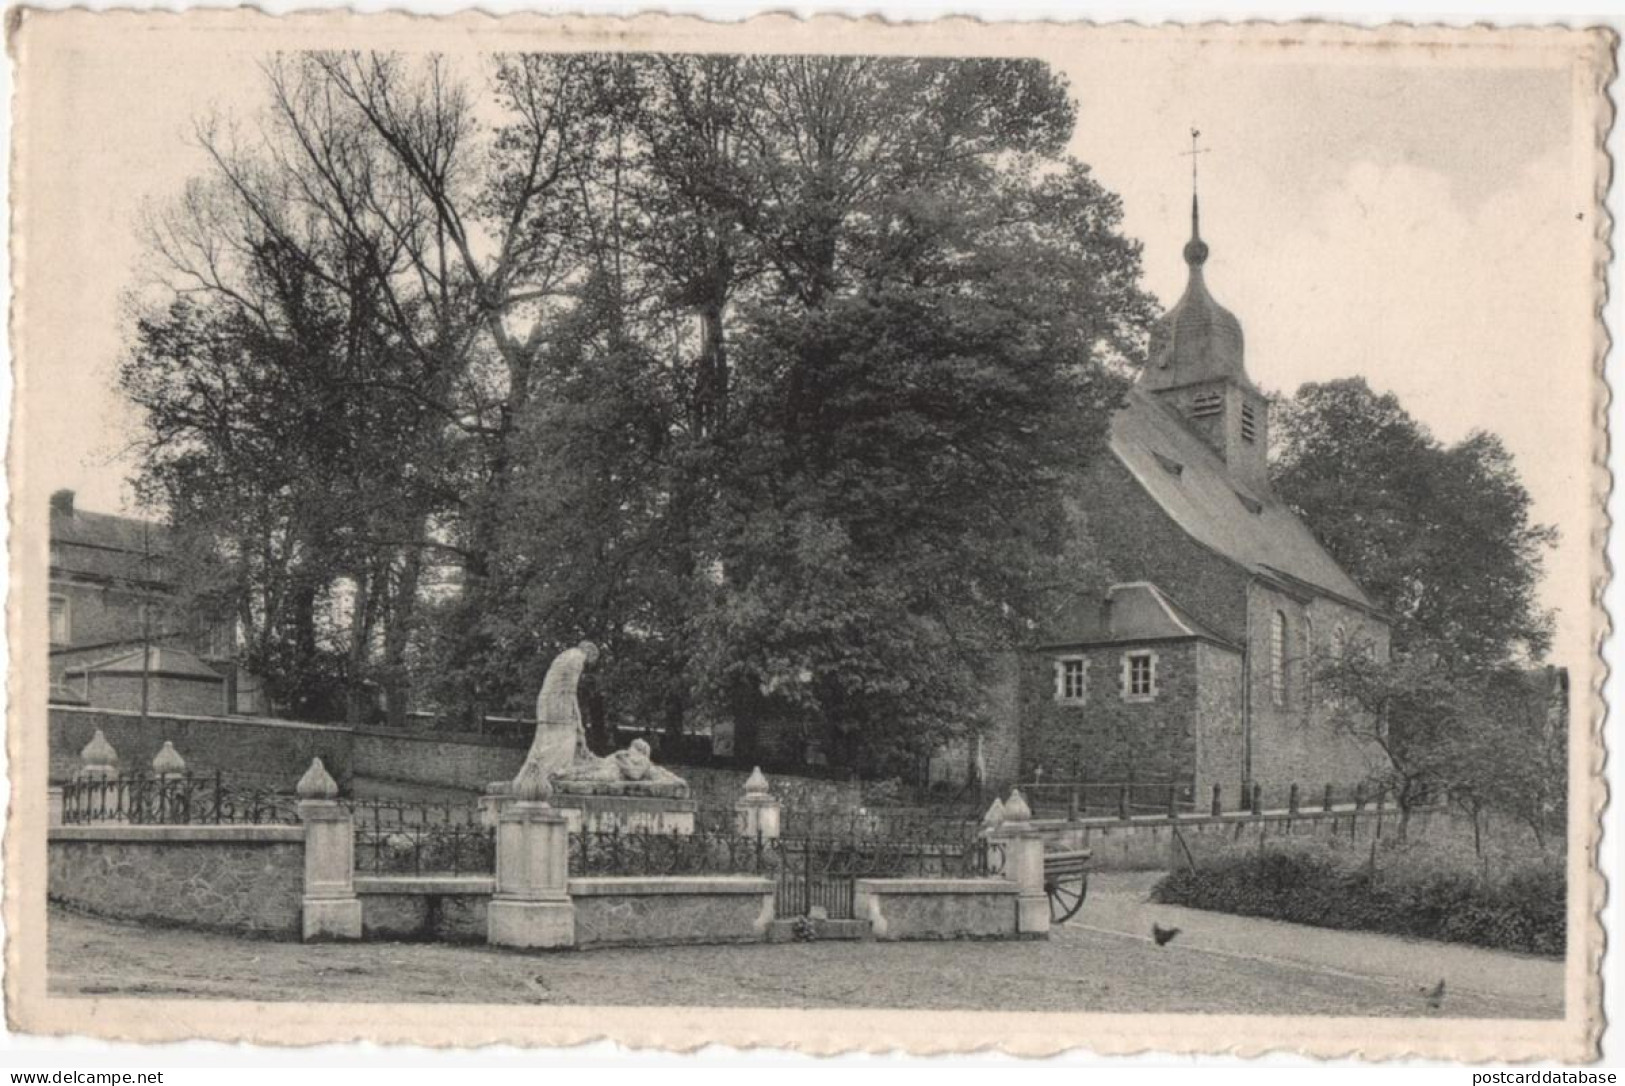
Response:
column 560, row 745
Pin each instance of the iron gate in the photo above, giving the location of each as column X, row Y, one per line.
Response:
column 822, row 873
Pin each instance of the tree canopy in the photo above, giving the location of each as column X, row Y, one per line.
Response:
column 1439, row 535
column 1441, row 538
column 764, row 371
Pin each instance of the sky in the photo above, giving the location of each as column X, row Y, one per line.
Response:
column 1419, row 218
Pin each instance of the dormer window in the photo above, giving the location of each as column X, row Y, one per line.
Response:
column 1172, row 467
column 1249, row 423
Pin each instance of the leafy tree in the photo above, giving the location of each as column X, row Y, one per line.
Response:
column 767, row 372
column 1439, row 536
column 1408, row 707
column 295, row 488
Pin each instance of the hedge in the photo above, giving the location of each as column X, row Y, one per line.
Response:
column 1523, row 910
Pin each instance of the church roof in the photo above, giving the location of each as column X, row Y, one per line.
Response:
column 1198, row 339
column 1194, row 486
column 1139, row 611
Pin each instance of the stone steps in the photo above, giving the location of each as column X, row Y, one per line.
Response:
column 784, row 930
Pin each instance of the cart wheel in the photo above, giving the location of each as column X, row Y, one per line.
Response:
column 1066, row 897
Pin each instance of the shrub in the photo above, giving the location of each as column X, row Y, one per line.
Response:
column 1386, row 891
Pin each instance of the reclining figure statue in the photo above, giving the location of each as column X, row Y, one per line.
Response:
column 561, row 740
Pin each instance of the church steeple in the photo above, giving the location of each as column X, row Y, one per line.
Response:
column 1196, row 363
column 1195, row 248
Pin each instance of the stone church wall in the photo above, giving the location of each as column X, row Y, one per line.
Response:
column 1294, row 742
column 1221, row 741
column 1109, row 737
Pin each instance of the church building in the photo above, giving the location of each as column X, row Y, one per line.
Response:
column 1190, row 663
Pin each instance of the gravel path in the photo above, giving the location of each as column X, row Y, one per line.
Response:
column 1103, row 961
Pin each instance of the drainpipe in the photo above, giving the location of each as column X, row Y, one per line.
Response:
column 1247, row 706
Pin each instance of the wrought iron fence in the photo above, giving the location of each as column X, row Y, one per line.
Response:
column 170, row 800
column 398, row 837
column 811, row 872
column 653, row 854
column 883, row 823
column 421, row 849
column 403, row 813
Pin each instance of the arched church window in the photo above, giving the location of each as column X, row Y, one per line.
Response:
column 1340, row 642
column 1278, row 658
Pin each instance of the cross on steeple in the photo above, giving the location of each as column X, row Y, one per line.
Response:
column 1196, row 248
column 1195, row 150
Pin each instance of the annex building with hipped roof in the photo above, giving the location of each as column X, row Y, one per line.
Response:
column 121, row 636
column 1189, row 661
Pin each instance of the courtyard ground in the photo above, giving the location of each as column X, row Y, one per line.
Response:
column 1103, row 961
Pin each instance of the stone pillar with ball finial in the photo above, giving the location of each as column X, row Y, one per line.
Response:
column 756, row 814
column 96, row 787
column 98, row 761
column 531, row 906
column 169, row 773
column 168, row 764
column 331, row 908
column 1023, row 863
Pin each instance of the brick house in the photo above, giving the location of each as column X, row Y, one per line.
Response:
column 1189, row 663
column 117, row 623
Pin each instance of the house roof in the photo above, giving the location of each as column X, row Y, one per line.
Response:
column 1139, row 611
column 164, row 661
column 63, row 694
column 109, row 531
column 1194, row 486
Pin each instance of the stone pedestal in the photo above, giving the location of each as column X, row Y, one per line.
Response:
column 330, row 908
column 1024, row 865
column 622, row 812
column 531, row 907
column 756, row 814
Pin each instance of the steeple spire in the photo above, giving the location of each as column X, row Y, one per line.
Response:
column 1198, row 339
column 1195, row 365
column 1195, row 248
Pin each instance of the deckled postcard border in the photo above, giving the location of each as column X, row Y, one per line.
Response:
column 34, row 35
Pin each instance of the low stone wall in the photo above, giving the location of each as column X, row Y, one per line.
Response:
column 671, row 911
column 898, row 909
column 273, row 752
column 1152, row 843
column 443, row 910
column 231, row 878
column 467, row 762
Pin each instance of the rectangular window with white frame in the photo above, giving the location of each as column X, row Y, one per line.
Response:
column 1072, row 680
column 1139, row 676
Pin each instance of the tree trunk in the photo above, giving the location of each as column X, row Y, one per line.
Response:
column 397, row 635
column 355, row 690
